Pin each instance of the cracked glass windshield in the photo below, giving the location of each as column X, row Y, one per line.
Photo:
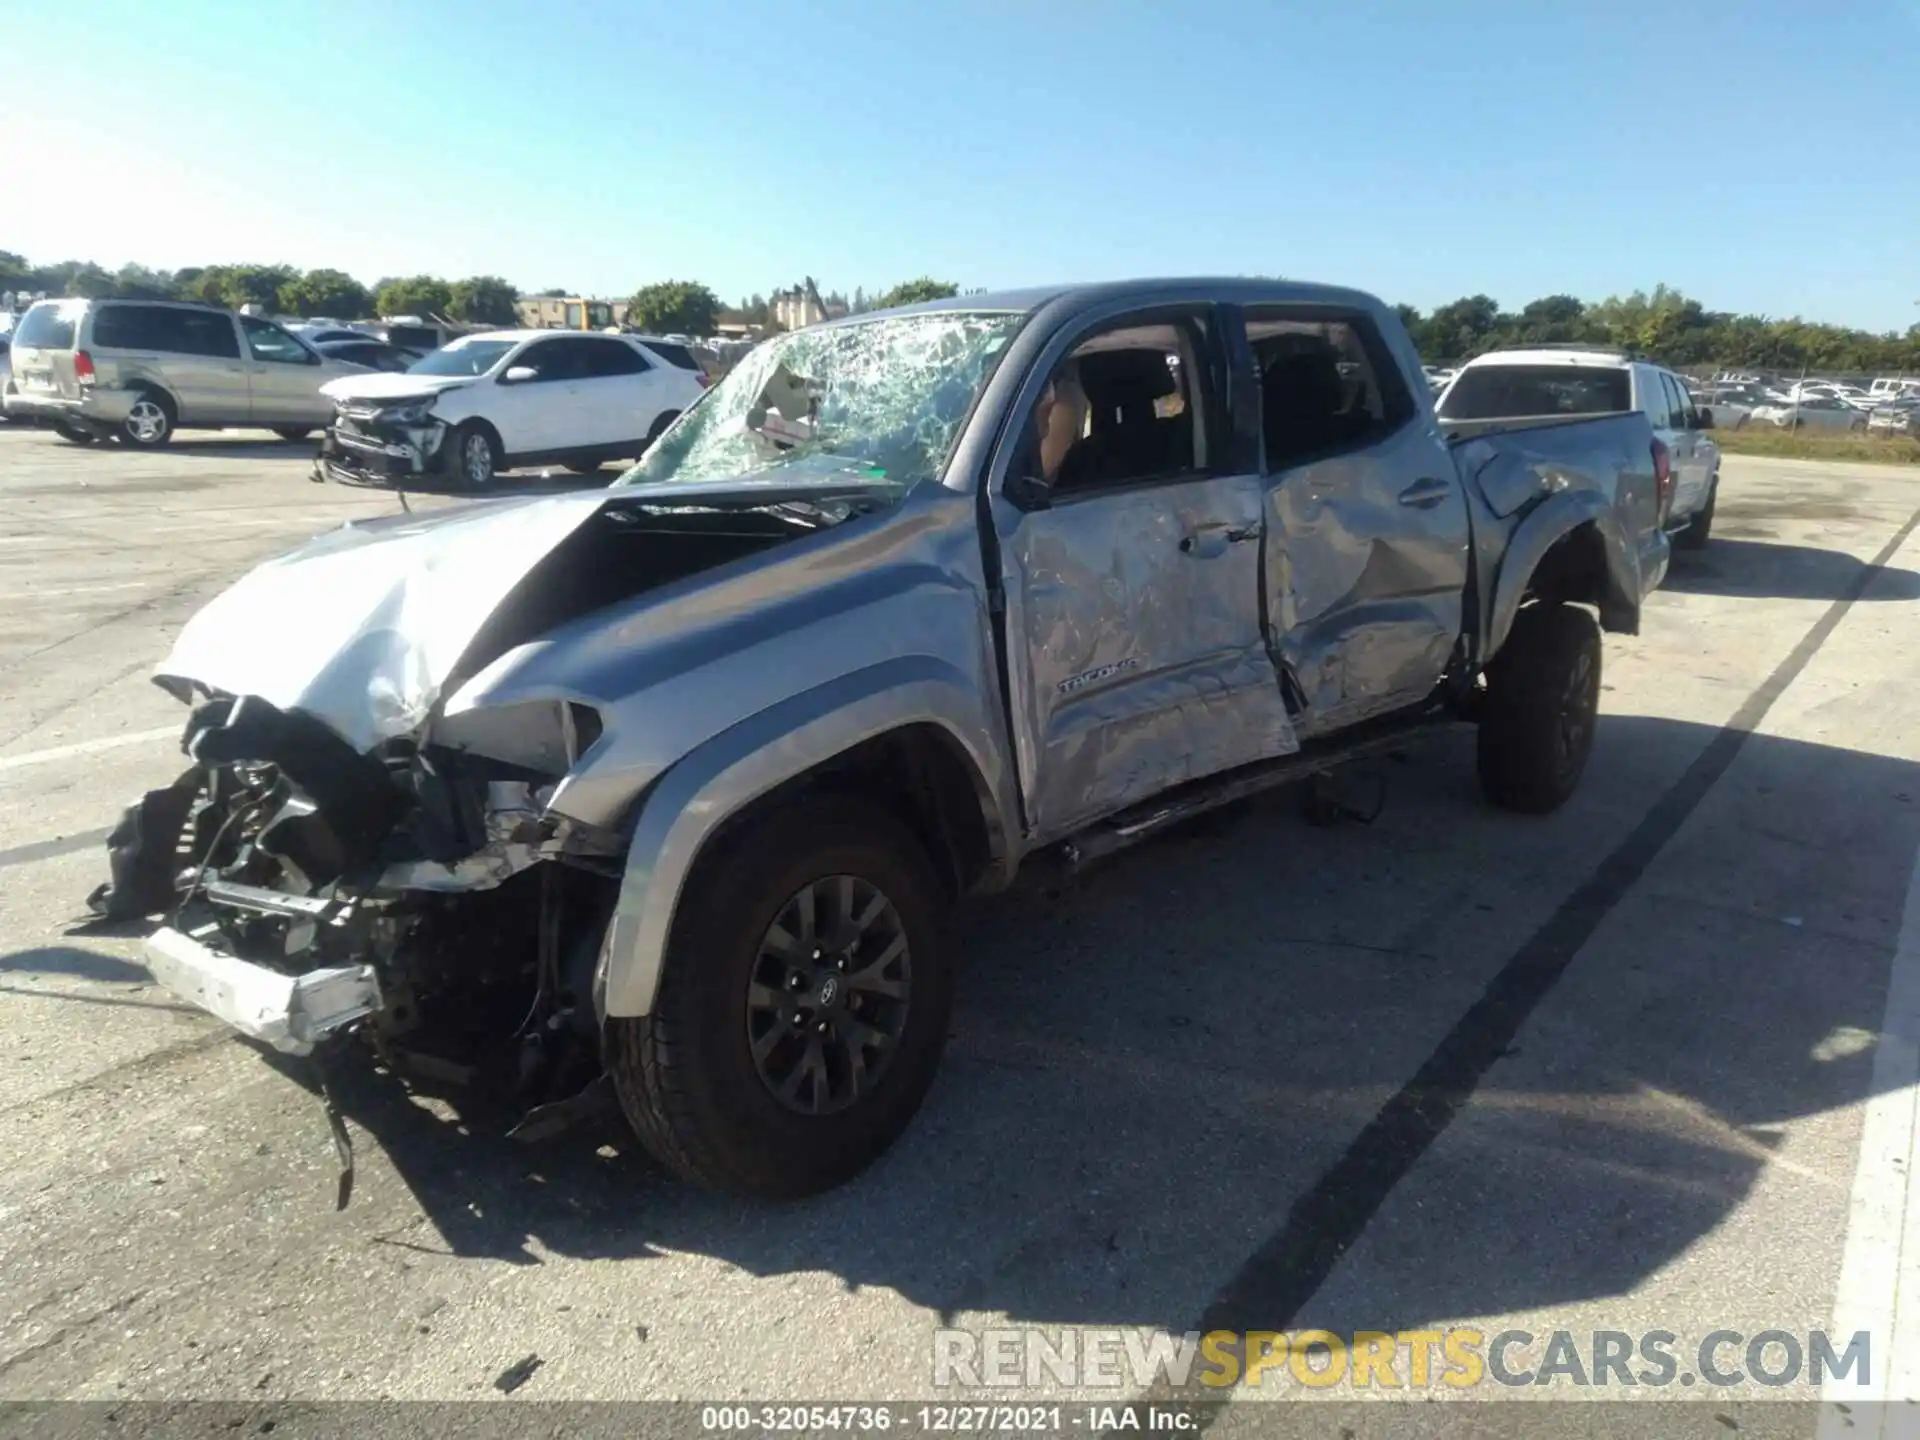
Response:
column 886, row 397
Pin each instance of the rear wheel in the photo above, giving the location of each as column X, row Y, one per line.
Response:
column 149, row 424
column 293, row 434
column 802, row 1008
column 73, row 434
column 1693, row 535
column 1543, row 697
column 659, row 428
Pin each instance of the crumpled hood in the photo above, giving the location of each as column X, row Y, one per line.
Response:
column 385, row 385
column 362, row 627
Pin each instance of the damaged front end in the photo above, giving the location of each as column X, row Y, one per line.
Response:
column 422, row 890
column 383, row 439
column 368, row 839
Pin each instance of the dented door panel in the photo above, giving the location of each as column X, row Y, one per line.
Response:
column 1366, row 570
column 1138, row 635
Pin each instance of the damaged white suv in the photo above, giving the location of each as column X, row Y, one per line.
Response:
column 508, row 398
column 661, row 792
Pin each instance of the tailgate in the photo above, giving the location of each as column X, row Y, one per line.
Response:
column 44, row 341
column 44, row 372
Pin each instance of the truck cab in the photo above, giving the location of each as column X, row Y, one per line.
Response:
column 693, row 769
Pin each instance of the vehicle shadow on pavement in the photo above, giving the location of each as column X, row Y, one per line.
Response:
column 71, row 961
column 1149, row 1071
column 1760, row 569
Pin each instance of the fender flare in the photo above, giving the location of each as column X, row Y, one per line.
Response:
column 727, row 773
column 1546, row 526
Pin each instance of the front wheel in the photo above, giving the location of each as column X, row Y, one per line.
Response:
column 475, row 457
column 293, row 434
column 1543, row 697
column 802, row 1008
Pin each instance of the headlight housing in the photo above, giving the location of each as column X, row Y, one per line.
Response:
column 411, row 412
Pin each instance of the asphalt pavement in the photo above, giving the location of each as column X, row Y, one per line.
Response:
column 1606, row 1070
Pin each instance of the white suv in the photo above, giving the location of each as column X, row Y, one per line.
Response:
column 1592, row 380
column 507, row 398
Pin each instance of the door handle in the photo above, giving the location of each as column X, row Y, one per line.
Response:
column 1424, row 494
column 1231, row 534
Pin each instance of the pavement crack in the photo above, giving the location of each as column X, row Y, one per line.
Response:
column 68, row 1331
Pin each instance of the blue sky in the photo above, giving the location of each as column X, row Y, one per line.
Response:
column 1763, row 156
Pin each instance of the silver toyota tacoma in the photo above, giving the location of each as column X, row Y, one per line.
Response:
column 662, row 792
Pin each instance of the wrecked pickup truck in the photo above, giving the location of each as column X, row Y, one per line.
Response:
column 662, row 791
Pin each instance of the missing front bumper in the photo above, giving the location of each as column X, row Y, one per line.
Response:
column 291, row 1013
column 399, row 455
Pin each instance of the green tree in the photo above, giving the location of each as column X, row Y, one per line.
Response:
column 415, row 295
column 912, row 292
column 483, row 300
column 1464, row 328
column 256, row 285
column 137, row 282
column 558, row 292
column 333, row 293
column 675, row 307
column 1554, row 319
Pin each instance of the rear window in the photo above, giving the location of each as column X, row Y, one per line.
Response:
column 1501, row 392
column 417, row 336
column 673, row 354
column 48, row 325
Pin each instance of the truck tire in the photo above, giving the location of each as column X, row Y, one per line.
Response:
column 802, row 1007
column 1693, row 535
column 1543, row 697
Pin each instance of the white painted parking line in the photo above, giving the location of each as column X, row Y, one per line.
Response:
column 1879, row 1290
column 72, row 590
column 87, row 747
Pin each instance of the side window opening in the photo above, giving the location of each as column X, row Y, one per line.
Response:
column 1121, row 409
column 1324, row 387
column 271, row 343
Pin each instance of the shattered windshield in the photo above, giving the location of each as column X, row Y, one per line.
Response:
column 886, row 397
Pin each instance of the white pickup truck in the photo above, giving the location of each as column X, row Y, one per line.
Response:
column 661, row 792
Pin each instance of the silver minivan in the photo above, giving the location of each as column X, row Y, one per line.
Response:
column 137, row 369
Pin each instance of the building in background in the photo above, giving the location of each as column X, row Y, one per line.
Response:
column 802, row 306
column 569, row 312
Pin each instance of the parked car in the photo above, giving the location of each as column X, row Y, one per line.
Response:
column 1598, row 380
column 1727, row 406
column 410, row 332
column 318, row 335
column 1901, row 417
column 667, row 787
column 505, row 398
column 1819, row 412
column 369, row 353
column 134, row 370
column 1890, row 387
column 6, row 369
